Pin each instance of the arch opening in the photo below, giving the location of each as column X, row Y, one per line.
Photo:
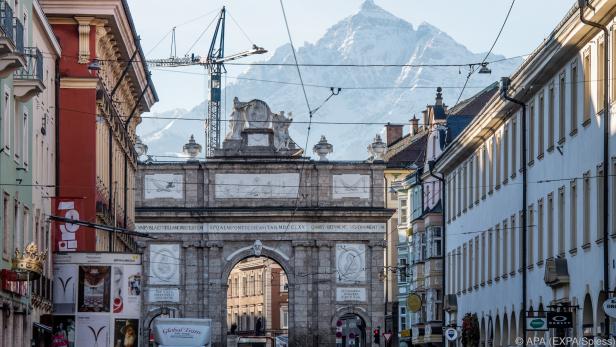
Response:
column 257, row 299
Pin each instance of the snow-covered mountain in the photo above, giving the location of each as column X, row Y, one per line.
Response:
column 369, row 94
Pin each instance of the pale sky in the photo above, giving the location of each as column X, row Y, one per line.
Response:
column 473, row 23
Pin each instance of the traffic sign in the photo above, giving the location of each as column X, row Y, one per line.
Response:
column 387, row 336
column 609, row 307
column 451, row 334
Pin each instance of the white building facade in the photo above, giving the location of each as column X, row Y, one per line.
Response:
column 561, row 84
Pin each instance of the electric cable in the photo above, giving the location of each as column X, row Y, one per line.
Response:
column 472, row 68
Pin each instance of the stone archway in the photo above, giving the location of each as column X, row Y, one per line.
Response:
column 149, row 317
column 257, row 250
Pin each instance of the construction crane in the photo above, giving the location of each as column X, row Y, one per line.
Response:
column 214, row 62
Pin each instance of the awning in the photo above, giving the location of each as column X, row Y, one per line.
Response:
column 42, row 326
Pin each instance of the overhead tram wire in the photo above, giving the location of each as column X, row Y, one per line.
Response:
column 177, row 26
column 470, row 73
column 301, row 80
column 121, row 60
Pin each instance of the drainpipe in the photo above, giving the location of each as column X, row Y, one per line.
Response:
column 57, row 123
column 504, row 87
column 444, row 239
column 386, row 271
column 606, row 135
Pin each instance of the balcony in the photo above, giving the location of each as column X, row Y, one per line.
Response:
column 11, row 41
column 28, row 80
column 7, row 40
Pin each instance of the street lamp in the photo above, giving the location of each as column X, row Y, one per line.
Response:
column 94, row 67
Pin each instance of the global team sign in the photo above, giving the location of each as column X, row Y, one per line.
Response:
column 609, row 307
column 182, row 332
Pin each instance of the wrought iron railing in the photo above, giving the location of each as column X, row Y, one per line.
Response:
column 6, row 19
column 34, row 65
column 19, row 35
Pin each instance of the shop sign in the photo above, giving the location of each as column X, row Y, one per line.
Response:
column 536, row 323
column 413, row 302
column 609, row 307
column 560, row 320
column 11, row 286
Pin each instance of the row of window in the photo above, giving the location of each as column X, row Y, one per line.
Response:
column 499, row 158
column 15, row 130
column 250, row 286
column 553, row 223
column 17, row 221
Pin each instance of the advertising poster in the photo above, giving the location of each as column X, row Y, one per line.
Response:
column 164, row 264
column 126, row 333
column 94, row 288
column 117, row 288
column 92, row 330
column 64, row 330
column 132, row 288
column 64, row 283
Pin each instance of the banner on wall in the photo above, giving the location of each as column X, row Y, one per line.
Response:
column 92, row 330
column 97, row 298
column 66, row 235
column 64, row 283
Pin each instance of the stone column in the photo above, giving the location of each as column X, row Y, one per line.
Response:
column 300, row 305
column 214, row 291
column 191, row 280
column 326, row 296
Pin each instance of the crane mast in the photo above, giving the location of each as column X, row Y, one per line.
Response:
column 214, row 62
column 214, row 59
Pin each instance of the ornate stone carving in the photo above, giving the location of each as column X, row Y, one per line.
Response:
column 84, row 38
column 323, row 148
column 257, row 247
column 255, row 130
column 280, row 125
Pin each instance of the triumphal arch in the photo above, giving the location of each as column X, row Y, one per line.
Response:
column 323, row 222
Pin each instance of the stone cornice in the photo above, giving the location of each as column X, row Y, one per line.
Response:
column 113, row 11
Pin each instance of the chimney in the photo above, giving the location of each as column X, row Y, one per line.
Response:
column 439, row 96
column 393, row 133
column 414, row 126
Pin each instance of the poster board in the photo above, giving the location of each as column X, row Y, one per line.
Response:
column 97, row 298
